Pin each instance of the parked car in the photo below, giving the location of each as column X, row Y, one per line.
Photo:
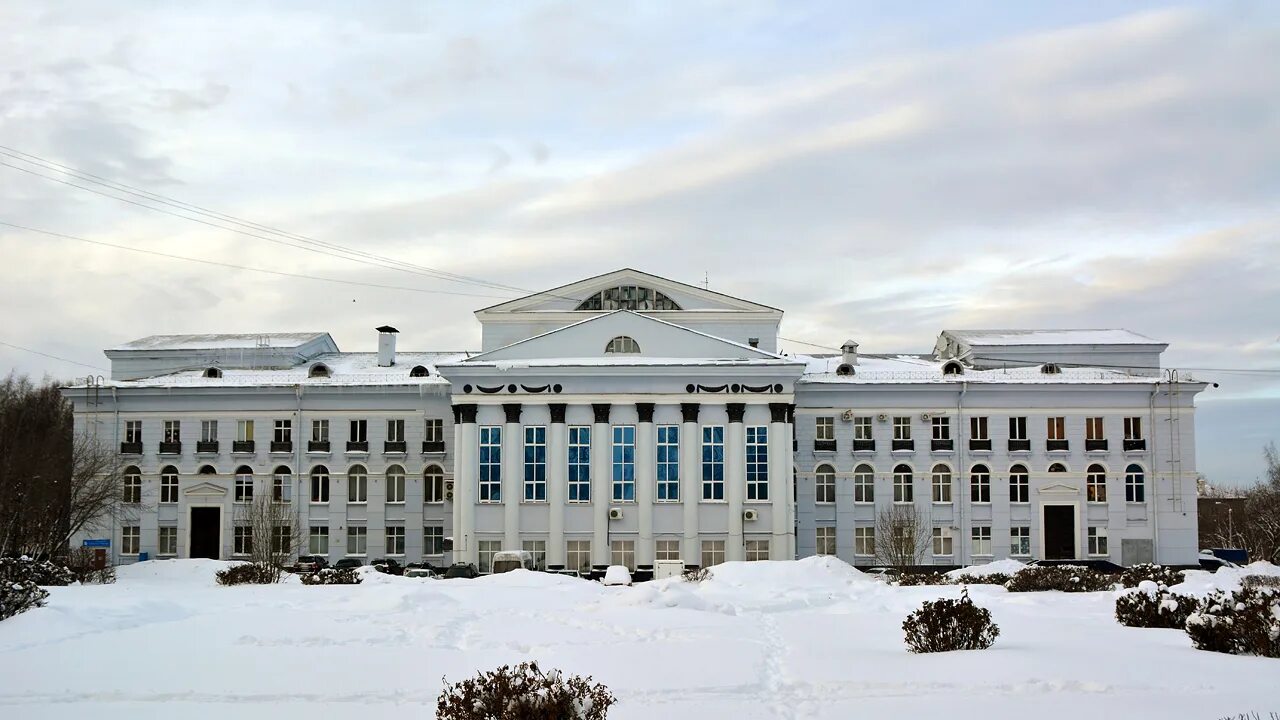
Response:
column 461, row 570
column 348, row 563
column 617, row 575
column 886, row 574
column 421, row 572
column 506, row 560
column 1218, row 558
column 1102, row 566
column 390, row 566
column 310, row 563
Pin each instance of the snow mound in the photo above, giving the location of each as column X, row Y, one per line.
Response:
column 999, row 567
column 172, row 572
column 521, row 578
column 820, row 572
column 1203, row 582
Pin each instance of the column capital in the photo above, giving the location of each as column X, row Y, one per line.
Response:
column 512, row 411
column 791, row 414
column 736, row 411
column 778, row 412
column 644, row 412
column 464, row 413
column 689, row 412
column 557, row 412
column 601, row 411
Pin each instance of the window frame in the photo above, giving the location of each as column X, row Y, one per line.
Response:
column 980, row 541
column 941, row 483
column 208, row 431
column 318, row 540
column 534, row 465
column 319, row 485
column 432, row 540
column 1019, row 485
column 941, row 427
column 757, row 463
column 1097, row 541
column 489, row 465
column 903, row 491
column 862, row 429
column 357, row 485
column 358, row 540
column 1095, row 483
column 979, row 428
column 1135, row 484
column 622, row 551
column 902, row 427
column 712, row 549
column 667, row 463
column 1019, row 534
column 713, row 457
column 395, row 476
column 864, row 484
column 864, row 541
column 756, row 549
column 1018, row 427
column 824, row 484
column 824, row 428
column 433, row 485
column 943, row 542
column 167, row 546
column 622, row 463
column 319, row 431
column 581, row 549
column 578, row 458
column 169, row 485
column 394, row 540
column 824, row 540
column 244, row 482
column 980, row 484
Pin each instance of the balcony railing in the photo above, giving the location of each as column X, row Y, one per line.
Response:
column 318, row 446
column 242, row 446
column 170, row 447
column 394, row 446
column 975, row 444
column 1135, row 445
column 206, row 446
column 358, row 446
column 942, row 445
column 1057, row 445
column 281, row 446
column 1019, row 446
column 904, row 444
column 432, row 446
column 864, row 445
column 130, row 448
column 1095, row 445
column 824, row 445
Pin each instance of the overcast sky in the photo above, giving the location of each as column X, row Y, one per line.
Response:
column 879, row 170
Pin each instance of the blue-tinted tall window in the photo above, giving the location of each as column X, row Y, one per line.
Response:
column 624, row 463
column 535, row 463
column 491, row 463
column 757, row 462
column 668, row 463
column 713, row 462
column 580, row 463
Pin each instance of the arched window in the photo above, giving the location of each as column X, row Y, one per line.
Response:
column 357, row 484
column 903, row 492
column 952, row 367
column 169, row 485
column 864, row 484
column 282, row 485
column 320, row 484
column 395, row 484
column 1096, row 483
column 419, row 371
column 824, row 484
column 319, row 370
column 1057, row 468
column 244, row 484
column 1135, row 484
column 622, row 345
column 213, row 372
column 980, row 484
column 207, row 470
column 132, row 479
column 628, row 297
column 1019, row 484
column 941, row 483
column 433, row 484
column 1050, row 369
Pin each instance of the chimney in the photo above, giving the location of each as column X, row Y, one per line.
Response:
column 849, row 353
column 386, row 346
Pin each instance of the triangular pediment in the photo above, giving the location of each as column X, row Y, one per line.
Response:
column 1059, row 489
column 205, row 489
column 655, row 339
column 567, row 298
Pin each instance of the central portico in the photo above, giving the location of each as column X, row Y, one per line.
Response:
column 623, row 435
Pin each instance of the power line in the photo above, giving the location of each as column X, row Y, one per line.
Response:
column 242, row 267
column 802, row 342
column 54, row 357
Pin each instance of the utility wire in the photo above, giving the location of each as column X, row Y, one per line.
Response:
column 54, row 357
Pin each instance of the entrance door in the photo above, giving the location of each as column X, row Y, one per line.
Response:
column 1059, row 532
column 206, row 532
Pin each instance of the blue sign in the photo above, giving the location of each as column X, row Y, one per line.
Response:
column 101, row 542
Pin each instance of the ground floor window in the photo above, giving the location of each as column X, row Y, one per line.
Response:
column 1020, row 540
column 1098, row 541
column 395, row 540
column 712, row 552
column 578, row 555
column 357, row 540
column 488, row 548
column 168, row 544
column 864, row 541
column 981, row 537
column 623, row 552
column 942, row 541
column 318, row 543
column 130, row 540
column 757, row 550
column 433, row 540
column 538, row 549
column 826, row 540
column 667, row 550
column 242, row 540
column 281, row 540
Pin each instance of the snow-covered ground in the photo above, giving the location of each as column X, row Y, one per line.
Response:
column 807, row 639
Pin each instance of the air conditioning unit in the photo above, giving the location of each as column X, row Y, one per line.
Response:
column 750, row 515
column 448, row 486
column 925, row 417
column 882, row 417
column 615, row 513
column 448, row 495
column 847, row 415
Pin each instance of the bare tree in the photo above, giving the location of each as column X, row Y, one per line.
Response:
column 1249, row 518
column 902, row 536
column 275, row 532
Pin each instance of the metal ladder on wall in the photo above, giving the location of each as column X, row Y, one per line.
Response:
column 1174, row 421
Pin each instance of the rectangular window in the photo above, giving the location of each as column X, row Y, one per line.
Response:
column 242, row 540
column 320, row 485
column 244, row 431
column 667, row 550
column 624, row 463
column 941, row 484
column 902, row 427
column 320, row 431
column 1019, row 485
column 1057, row 428
column 712, row 552
column 281, row 540
column 1135, row 487
column 757, row 462
column 864, row 484
column 283, row 432
column 282, row 485
column 623, row 552
column 864, row 541
column 1017, row 428
column 395, row 431
column 1098, row 541
column 578, row 555
column 168, row 488
column 538, row 549
column 487, row 549
column 491, row 464
column 980, row 485
column 433, row 540
column 1020, row 540
column 318, row 540
column 757, row 550
column 395, row 485
column 862, row 427
column 980, row 535
column 433, row 432
column 978, row 428
column 359, row 430
column 825, row 538
column 1133, row 428
column 244, row 488
column 133, row 431
column 535, row 463
column 579, row 464
column 942, row 541
column 395, row 540
column 713, row 462
column 824, row 429
column 903, row 488
column 168, row 541
column 1095, row 484
column 1093, row 429
column 668, row 463
column 433, row 484
column 357, row 485
column 208, row 431
column 172, row 431
column 941, row 428
column 824, row 485
column 357, row 540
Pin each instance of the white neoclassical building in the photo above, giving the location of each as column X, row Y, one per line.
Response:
column 629, row 419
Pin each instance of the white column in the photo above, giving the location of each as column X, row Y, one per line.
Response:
column 646, row 480
column 512, row 476
column 735, row 480
column 466, row 475
column 601, row 481
column 780, row 469
column 557, row 484
column 690, row 481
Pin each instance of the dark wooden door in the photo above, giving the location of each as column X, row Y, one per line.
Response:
column 1059, row 532
column 206, row 533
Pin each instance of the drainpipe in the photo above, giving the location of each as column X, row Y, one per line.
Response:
column 1154, row 472
column 961, row 457
column 297, row 477
column 115, row 447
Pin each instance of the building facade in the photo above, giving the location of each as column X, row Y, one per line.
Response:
column 629, row 419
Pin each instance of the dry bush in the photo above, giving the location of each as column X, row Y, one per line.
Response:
column 80, row 561
column 524, row 692
column 990, row 579
column 912, row 579
column 696, row 576
column 37, row 572
column 332, row 576
column 945, row 625
column 1153, row 606
column 1066, row 578
column 1158, row 574
column 20, row 596
column 1246, row 622
column 249, row 574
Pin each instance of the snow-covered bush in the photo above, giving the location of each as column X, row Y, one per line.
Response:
column 909, row 579
column 696, row 576
column 945, row 625
column 1261, row 581
column 1158, row 574
column 987, row 579
column 248, row 574
column 20, row 596
column 1151, row 605
column 524, row 692
column 332, row 576
column 1246, row 622
column 1067, row 578
column 36, row 572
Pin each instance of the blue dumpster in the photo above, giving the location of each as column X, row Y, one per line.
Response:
column 143, row 557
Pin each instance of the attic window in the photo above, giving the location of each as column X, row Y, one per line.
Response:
column 622, row 345
column 952, row 368
column 628, row 297
column 213, row 373
column 207, row 470
column 844, row 369
column 1050, row 369
column 418, row 371
column 319, row 370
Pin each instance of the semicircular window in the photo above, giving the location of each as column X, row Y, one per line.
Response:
column 628, row 297
column 622, row 345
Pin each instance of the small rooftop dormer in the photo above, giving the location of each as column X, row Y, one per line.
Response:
column 164, row 354
column 1112, row 349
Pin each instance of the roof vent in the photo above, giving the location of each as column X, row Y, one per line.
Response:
column 844, row 370
column 849, row 353
column 952, row 367
column 319, row 370
column 213, row 372
column 386, row 346
column 1051, row 369
column 419, row 371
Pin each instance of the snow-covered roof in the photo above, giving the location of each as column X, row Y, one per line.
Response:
column 1113, row 336
column 349, row 369
column 631, row 361
column 918, row 369
column 235, row 341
